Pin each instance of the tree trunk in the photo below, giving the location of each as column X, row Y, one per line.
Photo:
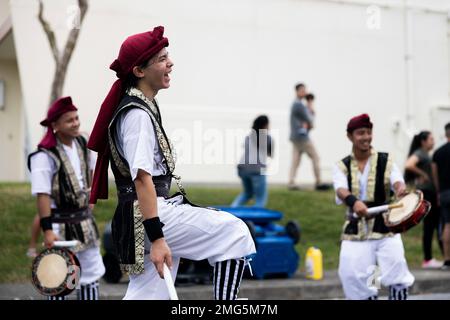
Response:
column 62, row 59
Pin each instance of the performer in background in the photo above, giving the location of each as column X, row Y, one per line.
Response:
column 361, row 180
column 61, row 171
column 150, row 228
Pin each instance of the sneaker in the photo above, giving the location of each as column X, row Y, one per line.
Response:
column 293, row 187
column 323, row 187
column 432, row 264
column 446, row 265
column 31, row 253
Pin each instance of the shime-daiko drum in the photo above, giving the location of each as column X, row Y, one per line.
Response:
column 401, row 216
column 411, row 212
column 56, row 272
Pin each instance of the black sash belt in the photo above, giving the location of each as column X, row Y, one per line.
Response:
column 126, row 191
column 70, row 216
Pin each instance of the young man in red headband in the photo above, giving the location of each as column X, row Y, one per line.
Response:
column 61, row 171
column 361, row 180
column 150, row 228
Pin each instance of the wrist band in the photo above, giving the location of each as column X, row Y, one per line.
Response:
column 350, row 201
column 153, row 228
column 46, row 223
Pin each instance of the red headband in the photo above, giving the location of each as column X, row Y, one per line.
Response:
column 361, row 121
column 135, row 50
column 57, row 109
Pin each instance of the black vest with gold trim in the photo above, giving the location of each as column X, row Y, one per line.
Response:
column 378, row 192
column 72, row 212
column 127, row 228
column 66, row 192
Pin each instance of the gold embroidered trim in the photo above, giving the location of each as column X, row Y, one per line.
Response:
column 371, row 178
column 342, row 167
column 373, row 236
column 55, row 178
column 354, row 177
column 90, row 234
column 139, row 242
column 123, row 169
column 79, row 196
column 83, row 164
column 370, row 190
column 365, row 232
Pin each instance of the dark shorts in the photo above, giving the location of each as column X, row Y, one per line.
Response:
column 445, row 206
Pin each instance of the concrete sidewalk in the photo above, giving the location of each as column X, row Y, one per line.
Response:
column 427, row 282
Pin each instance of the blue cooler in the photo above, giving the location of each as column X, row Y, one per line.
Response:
column 276, row 255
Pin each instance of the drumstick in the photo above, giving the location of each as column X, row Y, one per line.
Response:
column 376, row 210
column 169, row 283
column 386, row 207
column 65, row 244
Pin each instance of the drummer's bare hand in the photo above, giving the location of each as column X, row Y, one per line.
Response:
column 49, row 238
column 160, row 253
column 91, row 206
column 400, row 190
column 360, row 208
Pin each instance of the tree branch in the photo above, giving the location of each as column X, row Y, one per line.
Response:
column 49, row 33
column 63, row 63
column 73, row 35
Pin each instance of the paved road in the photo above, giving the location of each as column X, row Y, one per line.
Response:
column 434, row 296
column 429, row 285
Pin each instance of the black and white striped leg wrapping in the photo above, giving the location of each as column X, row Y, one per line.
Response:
column 398, row 292
column 227, row 278
column 88, row 291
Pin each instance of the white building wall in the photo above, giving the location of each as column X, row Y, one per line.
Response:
column 237, row 59
column 12, row 160
column 4, row 10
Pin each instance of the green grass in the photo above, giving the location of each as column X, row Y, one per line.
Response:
column 320, row 220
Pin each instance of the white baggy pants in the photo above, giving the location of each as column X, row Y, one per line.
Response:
column 363, row 264
column 193, row 233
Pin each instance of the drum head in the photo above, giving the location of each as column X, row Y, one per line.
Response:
column 410, row 203
column 52, row 271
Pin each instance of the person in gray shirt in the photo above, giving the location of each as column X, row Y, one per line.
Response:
column 301, row 122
